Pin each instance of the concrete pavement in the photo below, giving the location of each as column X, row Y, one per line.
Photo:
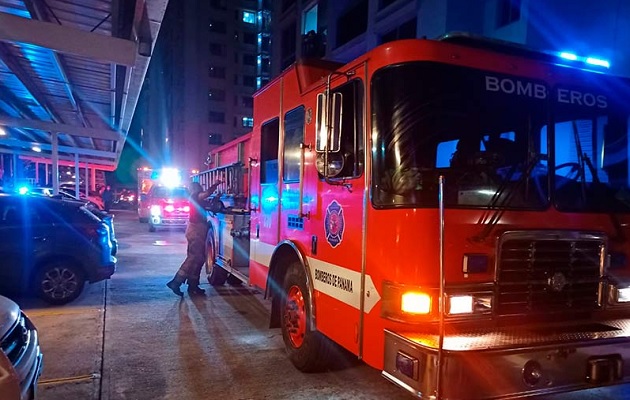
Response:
column 131, row 338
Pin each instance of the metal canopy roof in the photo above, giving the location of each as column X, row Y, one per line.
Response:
column 70, row 76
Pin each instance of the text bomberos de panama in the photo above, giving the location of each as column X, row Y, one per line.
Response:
column 539, row 91
column 333, row 280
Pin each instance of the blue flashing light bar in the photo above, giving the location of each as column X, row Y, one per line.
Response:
column 568, row 56
column 598, row 62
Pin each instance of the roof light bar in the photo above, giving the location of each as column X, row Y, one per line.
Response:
column 598, row 62
column 568, row 56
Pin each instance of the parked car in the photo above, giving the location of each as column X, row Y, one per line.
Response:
column 94, row 201
column 94, row 208
column 169, row 207
column 21, row 357
column 52, row 247
column 92, row 197
column 125, row 199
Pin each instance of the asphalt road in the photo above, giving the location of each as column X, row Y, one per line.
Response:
column 131, row 338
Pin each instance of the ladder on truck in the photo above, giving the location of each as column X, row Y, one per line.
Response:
column 233, row 188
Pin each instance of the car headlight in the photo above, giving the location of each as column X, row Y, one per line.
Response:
column 156, row 210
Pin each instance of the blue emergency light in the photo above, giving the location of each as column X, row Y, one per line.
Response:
column 595, row 61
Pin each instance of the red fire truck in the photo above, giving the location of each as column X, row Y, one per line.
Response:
column 162, row 200
column 453, row 212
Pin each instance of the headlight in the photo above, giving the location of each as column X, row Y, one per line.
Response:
column 156, row 211
column 469, row 304
column 460, row 305
column 619, row 295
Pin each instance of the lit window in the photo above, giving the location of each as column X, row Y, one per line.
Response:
column 508, row 11
column 249, row 17
column 310, row 20
column 248, row 122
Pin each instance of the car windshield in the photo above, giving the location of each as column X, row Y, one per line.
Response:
column 170, row 193
column 488, row 134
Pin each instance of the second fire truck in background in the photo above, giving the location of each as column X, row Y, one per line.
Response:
column 162, row 198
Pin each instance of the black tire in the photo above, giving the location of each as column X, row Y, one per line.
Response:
column 143, row 220
column 308, row 350
column 232, row 280
column 216, row 275
column 151, row 228
column 59, row 282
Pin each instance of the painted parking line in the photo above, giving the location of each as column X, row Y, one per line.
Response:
column 70, row 379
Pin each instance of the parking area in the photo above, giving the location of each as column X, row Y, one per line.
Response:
column 130, row 338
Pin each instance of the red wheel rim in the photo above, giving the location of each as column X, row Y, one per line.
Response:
column 295, row 316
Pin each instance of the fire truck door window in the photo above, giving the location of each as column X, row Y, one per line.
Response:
column 293, row 136
column 270, row 136
column 348, row 161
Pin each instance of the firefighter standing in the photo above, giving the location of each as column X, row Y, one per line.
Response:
column 196, row 232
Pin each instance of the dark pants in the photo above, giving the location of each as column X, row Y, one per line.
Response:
column 195, row 254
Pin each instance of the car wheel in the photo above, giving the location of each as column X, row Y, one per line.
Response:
column 216, row 275
column 308, row 350
column 59, row 282
column 151, row 228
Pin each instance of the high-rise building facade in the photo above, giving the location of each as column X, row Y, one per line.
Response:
column 341, row 30
column 210, row 58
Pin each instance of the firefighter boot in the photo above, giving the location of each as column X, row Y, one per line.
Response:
column 194, row 289
column 174, row 285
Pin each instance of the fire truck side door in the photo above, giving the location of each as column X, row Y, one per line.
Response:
column 335, row 226
column 264, row 200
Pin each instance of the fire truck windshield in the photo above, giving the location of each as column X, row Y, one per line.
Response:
column 488, row 134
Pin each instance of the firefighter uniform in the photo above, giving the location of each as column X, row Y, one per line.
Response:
column 196, row 232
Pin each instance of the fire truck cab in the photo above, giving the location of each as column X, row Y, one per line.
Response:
column 453, row 212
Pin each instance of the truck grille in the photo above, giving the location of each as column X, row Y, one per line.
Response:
column 543, row 273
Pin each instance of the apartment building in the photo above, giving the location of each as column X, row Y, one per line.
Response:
column 210, row 58
column 343, row 29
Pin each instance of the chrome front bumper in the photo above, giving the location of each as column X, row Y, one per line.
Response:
column 510, row 363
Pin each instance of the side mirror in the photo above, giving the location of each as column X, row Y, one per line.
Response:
column 328, row 127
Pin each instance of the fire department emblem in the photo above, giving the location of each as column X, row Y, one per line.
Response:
column 557, row 282
column 334, row 223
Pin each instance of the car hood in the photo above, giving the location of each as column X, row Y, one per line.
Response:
column 9, row 314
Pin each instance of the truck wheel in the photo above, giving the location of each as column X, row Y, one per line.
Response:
column 216, row 275
column 59, row 282
column 308, row 350
column 233, row 280
column 151, row 227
